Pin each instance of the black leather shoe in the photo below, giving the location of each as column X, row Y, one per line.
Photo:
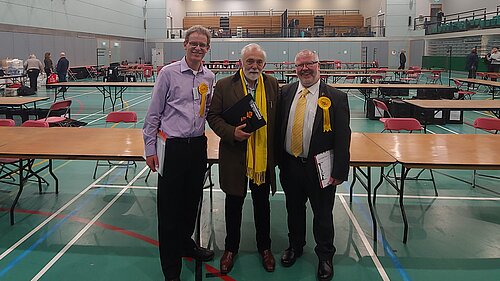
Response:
column 289, row 256
column 325, row 270
column 199, row 253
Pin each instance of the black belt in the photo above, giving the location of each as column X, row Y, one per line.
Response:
column 302, row 160
column 187, row 140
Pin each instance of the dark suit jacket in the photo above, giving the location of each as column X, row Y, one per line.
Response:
column 232, row 154
column 339, row 139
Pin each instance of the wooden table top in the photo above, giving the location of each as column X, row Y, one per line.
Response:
column 364, row 152
column 443, row 151
column 389, row 86
column 479, row 82
column 455, row 104
column 81, row 143
column 104, row 84
column 18, row 101
column 72, row 143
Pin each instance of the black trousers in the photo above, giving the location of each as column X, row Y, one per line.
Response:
column 179, row 192
column 300, row 183
column 33, row 76
column 401, row 65
column 261, row 215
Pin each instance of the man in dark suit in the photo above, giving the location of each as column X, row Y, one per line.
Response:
column 246, row 158
column 314, row 122
column 402, row 59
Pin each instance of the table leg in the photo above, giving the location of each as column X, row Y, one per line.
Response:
column 404, row 173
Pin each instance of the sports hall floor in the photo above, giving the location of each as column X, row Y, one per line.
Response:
column 105, row 229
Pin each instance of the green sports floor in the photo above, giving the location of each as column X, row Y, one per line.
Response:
column 105, row 228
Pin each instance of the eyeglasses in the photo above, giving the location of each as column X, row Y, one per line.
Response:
column 250, row 62
column 308, row 64
column 198, row 44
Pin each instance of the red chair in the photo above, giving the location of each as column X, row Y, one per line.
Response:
column 61, row 108
column 462, row 94
column 382, row 110
column 7, row 123
column 376, row 78
column 399, row 124
column 117, row 117
column 488, row 124
column 412, row 76
column 434, row 77
column 402, row 124
column 147, row 72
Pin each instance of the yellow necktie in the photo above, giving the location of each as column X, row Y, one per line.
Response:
column 298, row 123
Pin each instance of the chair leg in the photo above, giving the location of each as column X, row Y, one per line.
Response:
column 147, row 176
column 474, row 178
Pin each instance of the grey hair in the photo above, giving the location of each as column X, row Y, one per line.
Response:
column 253, row 46
column 307, row 52
column 198, row 29
column 32, row 56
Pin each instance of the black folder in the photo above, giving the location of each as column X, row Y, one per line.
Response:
column 245, row 111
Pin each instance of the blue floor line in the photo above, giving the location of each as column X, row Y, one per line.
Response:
column 387, row 247
column 57, row 226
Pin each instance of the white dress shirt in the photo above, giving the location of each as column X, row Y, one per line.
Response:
column 310, row 114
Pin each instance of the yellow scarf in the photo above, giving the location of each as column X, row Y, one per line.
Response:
column 257, row 143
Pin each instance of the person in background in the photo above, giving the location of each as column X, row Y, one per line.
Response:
column 62, row 68
column 49, row 65
column 181, row 97
column 471, row 63
column 402, row 59
column 33, row 67
column 494, row 61
column 314, row 119
column 246, row 159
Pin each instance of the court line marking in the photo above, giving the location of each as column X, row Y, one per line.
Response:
column 362, row 235
column 84, row 229
column 339, row 193
column 27, row 236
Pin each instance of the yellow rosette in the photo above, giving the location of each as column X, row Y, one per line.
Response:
column 203, row 90
column 325, row 103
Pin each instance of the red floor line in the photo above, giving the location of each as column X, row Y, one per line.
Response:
column 144, row 238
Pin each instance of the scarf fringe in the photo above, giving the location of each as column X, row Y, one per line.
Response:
column 257, row 177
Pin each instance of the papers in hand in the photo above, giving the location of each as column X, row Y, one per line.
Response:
column 324, row 165
column 245, row 111
column 161, row 139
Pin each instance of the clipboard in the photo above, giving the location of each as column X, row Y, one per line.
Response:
column 245, row 111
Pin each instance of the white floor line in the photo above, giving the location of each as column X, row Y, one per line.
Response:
column 123, row 186
column 440, row 197
column 362, row 235
column 84, row 229
column 397, row 196
column 110, row 108
column 72, row 96
column 27, row 236
column 447, row 129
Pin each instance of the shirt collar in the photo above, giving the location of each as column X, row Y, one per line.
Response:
column 312, row 89
column 185, row 66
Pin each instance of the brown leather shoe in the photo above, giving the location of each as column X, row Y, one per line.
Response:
column 268, row 260
column 227, row 262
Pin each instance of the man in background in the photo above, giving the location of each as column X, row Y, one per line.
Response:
column 33, row 67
